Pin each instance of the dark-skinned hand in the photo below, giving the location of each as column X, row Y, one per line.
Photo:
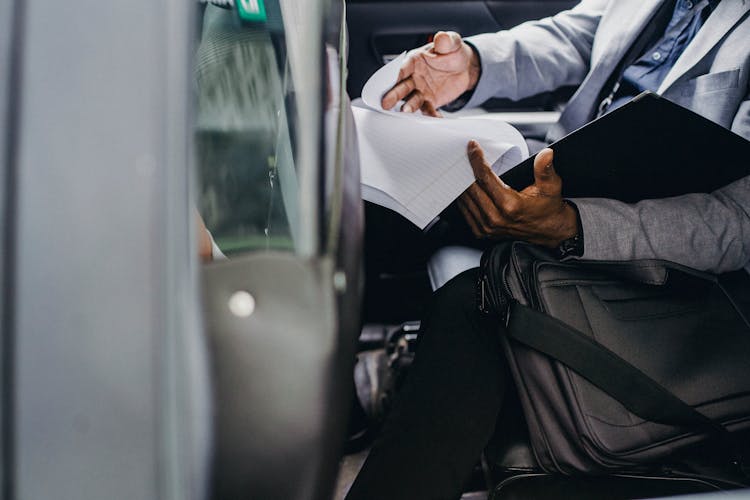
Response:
column 537, row 214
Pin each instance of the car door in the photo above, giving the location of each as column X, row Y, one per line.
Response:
column 118, row 381
column 104, row 375
column 279, row 190
column 7, row 11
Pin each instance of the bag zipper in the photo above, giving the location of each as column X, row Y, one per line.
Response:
column 489, row 300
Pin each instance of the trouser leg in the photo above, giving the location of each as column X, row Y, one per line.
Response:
column 447, row 410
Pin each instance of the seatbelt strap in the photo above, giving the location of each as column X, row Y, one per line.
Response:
column 635, row 390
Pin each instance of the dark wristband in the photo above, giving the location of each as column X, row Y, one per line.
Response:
column 572, row 247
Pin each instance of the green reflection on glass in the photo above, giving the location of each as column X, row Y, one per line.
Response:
column 248, row 195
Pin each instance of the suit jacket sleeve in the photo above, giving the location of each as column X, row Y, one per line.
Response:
column 538, row 56
column 709, row 232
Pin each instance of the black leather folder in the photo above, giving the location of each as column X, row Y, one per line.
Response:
column 648, row 148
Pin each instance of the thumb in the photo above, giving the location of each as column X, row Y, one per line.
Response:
column 545, row 177
column 446, row 42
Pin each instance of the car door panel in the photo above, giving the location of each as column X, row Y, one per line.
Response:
column 280, row 187
column 8, row 13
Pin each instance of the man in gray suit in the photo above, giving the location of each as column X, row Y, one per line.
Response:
column 699, row 57
column 694, row 52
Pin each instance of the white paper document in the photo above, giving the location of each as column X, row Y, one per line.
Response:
column 417, row 165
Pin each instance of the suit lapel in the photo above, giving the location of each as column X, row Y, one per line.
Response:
column 628, row 23
column 624, row 22
column 722, row 20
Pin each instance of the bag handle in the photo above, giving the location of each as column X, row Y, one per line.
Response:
column 646, row 272
column 635, row 390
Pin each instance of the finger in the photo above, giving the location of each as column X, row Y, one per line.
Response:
column 502, row 195
column 398, row 92
column 484, row 208
column 446, row 42
column 469, row 217
column 488, row 221
column 545, row 177
column 413, row 102
column 429, row 109
column 409, row 64
column 476, row 214
column 479, row 164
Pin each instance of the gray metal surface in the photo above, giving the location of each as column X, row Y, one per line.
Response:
column 6, row 123
column 274, row 372
column 106, row 337
column 6, row 32
column 304, row 31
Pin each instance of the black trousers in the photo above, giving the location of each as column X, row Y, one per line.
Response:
column 447, row 410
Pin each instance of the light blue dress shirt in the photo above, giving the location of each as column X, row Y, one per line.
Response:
column 650, row 70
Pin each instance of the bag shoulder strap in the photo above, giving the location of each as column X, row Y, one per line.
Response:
column 635, row 390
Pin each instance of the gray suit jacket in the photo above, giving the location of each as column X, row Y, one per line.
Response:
column 582, row 47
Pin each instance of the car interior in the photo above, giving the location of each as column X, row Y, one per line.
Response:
column 267, row 373
column 399, row 281
column 402, row 265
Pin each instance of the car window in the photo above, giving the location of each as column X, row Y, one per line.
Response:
column 245, row 132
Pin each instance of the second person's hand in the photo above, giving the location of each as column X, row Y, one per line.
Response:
column 434, row 75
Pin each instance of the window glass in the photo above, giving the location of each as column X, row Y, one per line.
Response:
column 245, row 131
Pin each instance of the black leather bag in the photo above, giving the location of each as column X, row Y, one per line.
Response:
column 619, row 365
